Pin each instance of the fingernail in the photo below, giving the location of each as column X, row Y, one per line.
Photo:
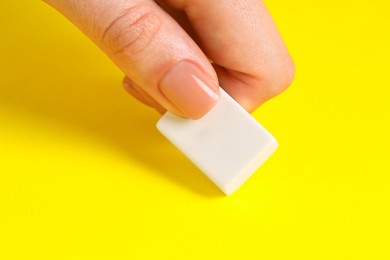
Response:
column 189, row 89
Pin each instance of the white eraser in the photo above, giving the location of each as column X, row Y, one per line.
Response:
column 227, row 144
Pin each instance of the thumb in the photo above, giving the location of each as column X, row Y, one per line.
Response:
column 151, row 49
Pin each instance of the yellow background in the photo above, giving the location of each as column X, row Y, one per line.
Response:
column 84, row 174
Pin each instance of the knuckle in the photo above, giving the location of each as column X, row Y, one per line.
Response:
column 132, row 32
column 288, row 73
column 282, row 77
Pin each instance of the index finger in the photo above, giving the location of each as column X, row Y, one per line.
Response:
column 241, row 38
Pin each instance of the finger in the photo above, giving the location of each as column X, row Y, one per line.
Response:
column 152, row 49
column 180, row 17
column 240, row 37
column 141, row 95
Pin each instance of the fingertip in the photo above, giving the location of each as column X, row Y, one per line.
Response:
column 189, row 89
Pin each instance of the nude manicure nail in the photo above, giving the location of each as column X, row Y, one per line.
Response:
column 189, row 89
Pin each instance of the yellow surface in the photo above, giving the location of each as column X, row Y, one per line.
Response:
column 84, row 174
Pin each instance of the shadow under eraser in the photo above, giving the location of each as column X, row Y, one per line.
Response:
column 227, row 144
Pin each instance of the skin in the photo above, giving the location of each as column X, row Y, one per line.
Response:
column 234, row 42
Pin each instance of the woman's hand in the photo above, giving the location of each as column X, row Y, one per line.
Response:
column 175, row 53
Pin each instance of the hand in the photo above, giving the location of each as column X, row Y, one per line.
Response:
column 175, row 53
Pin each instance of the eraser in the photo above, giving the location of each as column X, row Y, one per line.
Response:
column 227, row 144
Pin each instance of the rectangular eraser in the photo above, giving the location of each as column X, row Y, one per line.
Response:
column 227, row 144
